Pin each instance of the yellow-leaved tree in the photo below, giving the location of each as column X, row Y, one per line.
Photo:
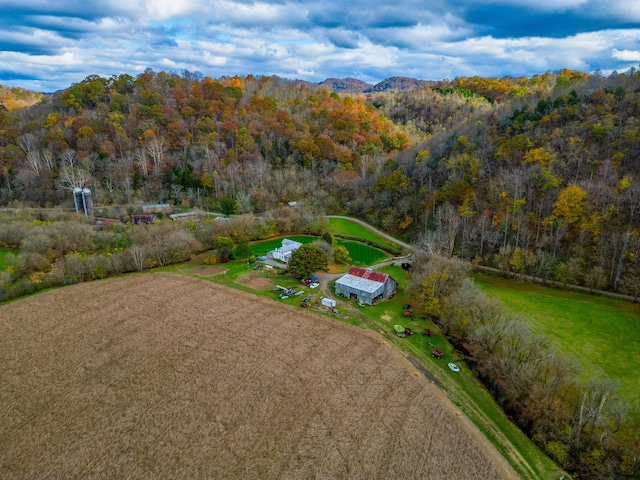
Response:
column 569, row 207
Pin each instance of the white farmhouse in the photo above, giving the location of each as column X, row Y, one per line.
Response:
column 284, row 252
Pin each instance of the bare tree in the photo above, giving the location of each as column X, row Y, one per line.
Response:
column 138, row 255
column 155, row 148
column 590, row 413
column 141, row 162
column 29, row 145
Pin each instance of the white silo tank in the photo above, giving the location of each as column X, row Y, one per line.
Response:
column 78, row 200
column 88, row 201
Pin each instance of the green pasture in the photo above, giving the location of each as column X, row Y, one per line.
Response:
column 601, row 333
column 264, row 246
column 362, row 255
column 3, row 254
column 346, row 228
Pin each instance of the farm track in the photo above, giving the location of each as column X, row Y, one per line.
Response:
column 384, row 235
column 168, row 376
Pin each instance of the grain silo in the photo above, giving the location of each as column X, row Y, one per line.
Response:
column 88, row 201
column 83, row 201
column 78, row 200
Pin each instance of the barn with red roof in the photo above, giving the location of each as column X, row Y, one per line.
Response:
column 365, row 285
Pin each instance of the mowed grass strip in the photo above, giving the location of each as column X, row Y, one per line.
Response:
column 601, row 333
column 263, row 247
column 362, row 255
column 347, row 228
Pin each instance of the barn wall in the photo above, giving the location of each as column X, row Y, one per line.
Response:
column 364, row 297
column 390, row 287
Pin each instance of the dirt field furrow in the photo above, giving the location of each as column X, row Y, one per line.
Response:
column 159, row 376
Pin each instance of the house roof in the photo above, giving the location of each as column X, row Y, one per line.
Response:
column 358, row 283
column 288, row 246
column 368, row 274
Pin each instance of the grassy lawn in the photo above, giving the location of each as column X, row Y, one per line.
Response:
column 346, row 228
column 362, row 255
column 265, row 246
column 3, row 254
column 601, row 333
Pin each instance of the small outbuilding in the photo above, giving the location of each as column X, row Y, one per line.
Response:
column 365, row 285
column 143, row 218
column 328, row 302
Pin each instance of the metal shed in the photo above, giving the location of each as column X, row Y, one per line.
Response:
column 365, row 285
column 328, row 302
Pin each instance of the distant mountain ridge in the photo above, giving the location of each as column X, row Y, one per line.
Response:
column 340, row 85
column 354, row 85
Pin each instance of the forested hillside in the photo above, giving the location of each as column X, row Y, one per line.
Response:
column 532, row 175
column 535, row 176
column 13, row 98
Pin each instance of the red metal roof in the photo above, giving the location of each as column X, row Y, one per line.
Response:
column 366, row 274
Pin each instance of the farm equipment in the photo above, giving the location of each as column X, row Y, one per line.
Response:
column 285, row 292
column 427, row 332
column 402, row 331
column 437, row 353
column 399, row 329
column 289, row 292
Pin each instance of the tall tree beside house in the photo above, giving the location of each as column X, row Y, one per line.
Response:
column 307, row 260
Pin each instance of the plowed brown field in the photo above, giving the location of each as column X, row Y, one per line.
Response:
column 159, row 376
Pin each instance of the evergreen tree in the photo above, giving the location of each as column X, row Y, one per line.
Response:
column 243, row 250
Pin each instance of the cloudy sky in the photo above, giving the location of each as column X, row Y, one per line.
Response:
column 47, row 45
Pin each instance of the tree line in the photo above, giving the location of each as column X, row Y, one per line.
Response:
column 54, row 248
column 580, row 424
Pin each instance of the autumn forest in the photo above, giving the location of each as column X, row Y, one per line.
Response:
column 533, row 175
column 528, row 175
